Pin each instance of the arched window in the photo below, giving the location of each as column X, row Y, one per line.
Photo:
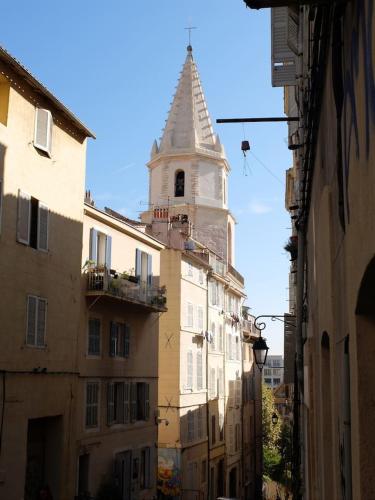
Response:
column 179, row 185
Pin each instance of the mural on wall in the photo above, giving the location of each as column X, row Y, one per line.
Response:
column 169, row 472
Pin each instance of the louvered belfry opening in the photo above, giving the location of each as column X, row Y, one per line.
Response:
column 179, row 189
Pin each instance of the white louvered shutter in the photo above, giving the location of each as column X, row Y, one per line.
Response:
column 190, row 317
column 200, row 318
column 23, row 220
column 189, row 381
column 31, row 319
column 43, row 130
column 283, row 58
column 41, row 322
column 199, row 371
column 43, row 216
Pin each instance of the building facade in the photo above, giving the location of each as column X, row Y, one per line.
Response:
column 122, row 299
column 273, row 371
column 324, row 55
column 42, row 174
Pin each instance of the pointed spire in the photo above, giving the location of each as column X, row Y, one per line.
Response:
column 154, row 149
column 188, row 126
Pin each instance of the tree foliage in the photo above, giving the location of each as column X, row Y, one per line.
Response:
column 271, row 431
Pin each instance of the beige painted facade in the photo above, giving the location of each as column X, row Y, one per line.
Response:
column 118, row 357
column 42, row 171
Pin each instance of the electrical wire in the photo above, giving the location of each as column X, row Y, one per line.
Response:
column 268, row 169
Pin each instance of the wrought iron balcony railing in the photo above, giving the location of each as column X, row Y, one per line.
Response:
column 101, row 281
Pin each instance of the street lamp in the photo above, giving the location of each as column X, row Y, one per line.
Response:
column 274, row 418
column 260, row 350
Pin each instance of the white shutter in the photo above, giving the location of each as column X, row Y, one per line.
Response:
column 200, row 318
column 283, row 58
column 41, row 322
column 213, row 331
column 43, row 216
column 189, row 381
column 31, row 319
column 24, row 214
column 190, row 318
column 43, row 130
column 199, row 371
column 220, row 338
column 221, row 382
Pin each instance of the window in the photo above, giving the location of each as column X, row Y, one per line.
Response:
column 93, row 348
column 221, row 382
column 200, row 423
column 92, row 404
column 204, row 471
column 237, row 438
column 117, row 400
column 267, row 371
column 143, row 401
column 190, row 426
column 100, row 248
column 32, row 222
column 189, row 378
column 201, row 276
column 119, row 345
column 212, row 383
column 214, row 293
column 143, row 267
column 213, row 342
column 238, row 349
column 213, row 429
column 268, row 381
column 190, row 315
column 276, row 381
column 43, row 130
column 230, row 346
column 221, row 339
column 145, row 476
column 179, row 186
column 36, row 321
column 190, row 269
column 200, row 318
column 199, row 371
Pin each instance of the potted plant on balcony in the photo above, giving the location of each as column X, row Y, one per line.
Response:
column 130, row 275
column 292, row 247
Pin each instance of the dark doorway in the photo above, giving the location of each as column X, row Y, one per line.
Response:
column 233, row 483
column 83, row 475
column 124, row 473
column 220, row 478
column 43, row 462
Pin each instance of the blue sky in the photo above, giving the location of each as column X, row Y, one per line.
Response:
column 116, row 64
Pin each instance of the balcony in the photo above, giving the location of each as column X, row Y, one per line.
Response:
column 236, row 275
column 102, row 282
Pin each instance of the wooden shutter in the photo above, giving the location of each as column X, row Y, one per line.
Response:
column 43, row 130
column 24, row 215
column 199, row 371
column 237, row 392
column 138, row 263
column 127, row 341
column 43, row 216
column 41, row 322
column 93, row 245
column 231, row 395
column 126, row 402
column 119, row 402
column 110, row 403
column 149, row 270
column 283, row 58
column 113, row 339
column 189, row 382
column 213, row 343
column 147, row 401
column 108, row 252
column 31, row 319
column 190, row 425
column 133, row 401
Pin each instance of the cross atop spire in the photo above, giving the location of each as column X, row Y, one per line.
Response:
column 190, row 28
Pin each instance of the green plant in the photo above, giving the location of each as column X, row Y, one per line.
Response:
column 88, row 264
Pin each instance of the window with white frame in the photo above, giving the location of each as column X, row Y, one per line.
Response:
column 92, row 405
column 119, row 345
column 190, row 426
column 43, row 130
column 199, row 371
column 145, row 469
column 189, row 367
column 93, row 344
column 143, row 267
column 200, row 318
column 201, row 276
column 36, row 321
column 189, row 315
column 190, row 269
column 32, row 222
column 100, row 248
